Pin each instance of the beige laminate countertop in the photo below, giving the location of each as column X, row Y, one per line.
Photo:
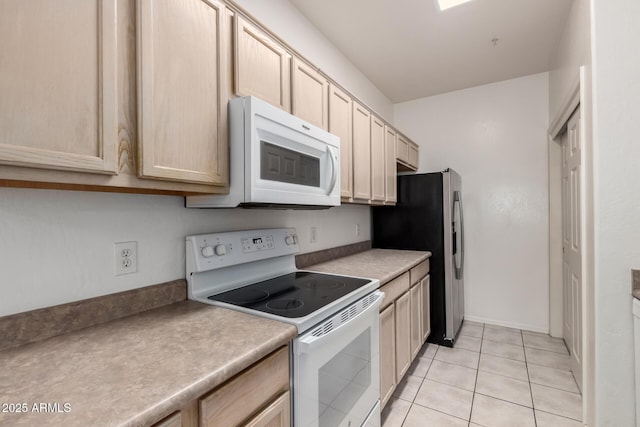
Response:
column 136, row 370
column 381, row 264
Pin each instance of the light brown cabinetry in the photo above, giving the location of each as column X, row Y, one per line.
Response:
column 416, row 318
column 404, row 325
column 391, row 177
column 387, row 354
column 426, row 307
column 173, row 420
column 413, row 156
column 182, row 96
column 69, row 114
column 407, row 154
column 310, row 94
column 378, row 152
column 262, row 65
column 403, row 335
column 341, row 125
column 361, row 152
column 257, row 397
column 244, row 395
column 58, row 85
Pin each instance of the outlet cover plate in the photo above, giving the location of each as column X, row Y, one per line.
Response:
column 126, row 257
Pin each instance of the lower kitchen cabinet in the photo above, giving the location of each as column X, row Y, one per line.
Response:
column 416, row 318
column 426, row 307
column 257, row 397
column 403, row 335
column 387, row 354
column 278, row 414
column 404, row 325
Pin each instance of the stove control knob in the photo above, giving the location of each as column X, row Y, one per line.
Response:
column 207, row 251
column 289, row 240
column 221, row 250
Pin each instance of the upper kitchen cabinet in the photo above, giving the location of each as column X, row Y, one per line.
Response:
column 310, row 94
column 361, row 153
column 341, row 125
column 58, row 85
column 391, row 177
column 182, row 76
column 262, row 66
column 378, row 169
column 407, row 154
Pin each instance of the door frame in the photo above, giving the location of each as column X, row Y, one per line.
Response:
column 580, row 94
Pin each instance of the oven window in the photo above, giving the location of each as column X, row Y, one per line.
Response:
column 284, row 165
column 344, row 379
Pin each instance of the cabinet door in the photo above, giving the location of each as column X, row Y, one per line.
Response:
column 378, row 168
column 310, row 96
column 182, row 95
column 387, row 354
column 262, row 66
column 340, row 124
column 413, row 155
column 244, row 395
column 426, row 307
column 58, row 84
column 278, row 414
column 403, row 335
column 416, row 319
column 402, row 148
column 391, row 175
column 361, row 152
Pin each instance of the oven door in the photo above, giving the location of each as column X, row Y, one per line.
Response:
column 336, row 372
column 288, row 161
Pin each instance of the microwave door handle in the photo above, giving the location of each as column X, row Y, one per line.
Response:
column 334, row 171
column 309, row 343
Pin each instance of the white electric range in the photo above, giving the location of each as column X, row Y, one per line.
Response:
column 335, row 357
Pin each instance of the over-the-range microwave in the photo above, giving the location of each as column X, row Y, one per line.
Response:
column 276, row 160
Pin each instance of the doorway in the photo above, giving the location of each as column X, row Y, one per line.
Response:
column 571, row 249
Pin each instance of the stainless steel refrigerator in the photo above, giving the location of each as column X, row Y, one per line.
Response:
column 428, row 216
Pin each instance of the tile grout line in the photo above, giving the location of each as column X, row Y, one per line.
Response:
column 533, row 405
column 475, row 385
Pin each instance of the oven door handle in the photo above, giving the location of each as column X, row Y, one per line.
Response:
column 310, row 342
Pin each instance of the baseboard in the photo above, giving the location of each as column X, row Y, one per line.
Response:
column 515, row 325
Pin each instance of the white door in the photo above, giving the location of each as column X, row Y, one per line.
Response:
column 571, row 243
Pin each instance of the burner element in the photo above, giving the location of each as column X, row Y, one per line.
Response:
column 325, row 284
column 285, row 304
column 249, row 296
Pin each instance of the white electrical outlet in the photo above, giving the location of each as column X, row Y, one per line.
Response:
column 126, row 257
column 312, row 235
column 357, row 229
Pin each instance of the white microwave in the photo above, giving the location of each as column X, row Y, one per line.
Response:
column 276, row 160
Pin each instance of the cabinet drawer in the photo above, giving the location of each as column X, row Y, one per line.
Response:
column 394, row 288
column 419, row 271
column 247, row 393
column 173, row 420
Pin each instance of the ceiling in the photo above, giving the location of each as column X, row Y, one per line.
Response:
column 409, row 49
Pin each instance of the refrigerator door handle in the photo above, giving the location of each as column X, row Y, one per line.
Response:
column 459, row 269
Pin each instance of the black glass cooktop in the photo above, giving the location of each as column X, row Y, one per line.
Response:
column 292, row 295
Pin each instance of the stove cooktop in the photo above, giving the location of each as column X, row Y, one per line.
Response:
column 293, row 295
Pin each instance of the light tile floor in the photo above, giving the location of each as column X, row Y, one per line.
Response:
column 494, row 377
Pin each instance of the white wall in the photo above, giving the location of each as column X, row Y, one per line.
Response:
column 616, row 71
column 495, row 137
column 281, row 17
column 57, row 246
column 572, row 50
